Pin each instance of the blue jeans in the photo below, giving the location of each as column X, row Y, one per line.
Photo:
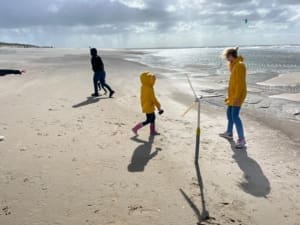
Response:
column 100, row 76
column 234, row 118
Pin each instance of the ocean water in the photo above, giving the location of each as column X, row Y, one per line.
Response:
column 209, row 61
column 209, row 73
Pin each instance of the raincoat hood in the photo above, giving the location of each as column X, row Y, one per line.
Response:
column 147, row 79
column 238, row 59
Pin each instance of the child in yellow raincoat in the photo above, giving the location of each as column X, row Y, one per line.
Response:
column 148, row 102
column 237, row 92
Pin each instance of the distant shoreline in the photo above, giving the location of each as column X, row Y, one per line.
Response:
column 18, row 45
column 212, row 46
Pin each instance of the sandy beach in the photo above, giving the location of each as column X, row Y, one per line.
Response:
column 70, row 159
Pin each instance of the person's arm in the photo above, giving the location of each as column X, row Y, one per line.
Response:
column 240, row 84
column 101, row 64
column 93, row 63
column 155, row 101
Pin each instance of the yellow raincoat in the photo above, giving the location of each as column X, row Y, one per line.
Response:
column 148, row 99
column 237, row 89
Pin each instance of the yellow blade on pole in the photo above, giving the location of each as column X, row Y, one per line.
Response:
column 188, row 109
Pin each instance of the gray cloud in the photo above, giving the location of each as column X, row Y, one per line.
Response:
column 16, row 14
column 70, row 13
column 123, row 18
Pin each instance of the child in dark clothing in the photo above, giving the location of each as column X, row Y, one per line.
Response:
column 99, row 73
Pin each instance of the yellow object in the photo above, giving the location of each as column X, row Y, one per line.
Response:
column 237, row 89
column 198, row 131
column 148, row 99
column 188, row 109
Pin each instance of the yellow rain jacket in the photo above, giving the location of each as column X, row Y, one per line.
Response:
column 237, row 89
column 148, row 99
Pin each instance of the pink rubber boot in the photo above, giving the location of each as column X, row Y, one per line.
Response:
column 136, row 128
column 152, row 130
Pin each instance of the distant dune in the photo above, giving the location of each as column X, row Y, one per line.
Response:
column 18, row 45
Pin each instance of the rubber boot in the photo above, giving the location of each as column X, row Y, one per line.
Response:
column 136, row 128
column 152, row 130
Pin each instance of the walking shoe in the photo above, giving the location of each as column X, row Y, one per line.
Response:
column 241, row 143
column 111, row 93
column 226, row 135
column 95, row 95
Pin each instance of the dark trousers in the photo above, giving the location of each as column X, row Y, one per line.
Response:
column 150, row 118
column 100, row 76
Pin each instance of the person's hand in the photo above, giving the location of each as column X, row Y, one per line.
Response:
column 160, row 111
column 226, row 101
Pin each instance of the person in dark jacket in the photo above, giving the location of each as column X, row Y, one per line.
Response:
column 99, row 73
column 6, row 72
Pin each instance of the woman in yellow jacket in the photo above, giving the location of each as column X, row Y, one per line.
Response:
column 237, row 92
column 148, row 103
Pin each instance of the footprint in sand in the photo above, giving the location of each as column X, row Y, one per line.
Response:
column 6, row 210
column 134, row 208
column 42, row 134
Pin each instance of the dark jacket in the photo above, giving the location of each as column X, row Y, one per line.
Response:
column 97, row 63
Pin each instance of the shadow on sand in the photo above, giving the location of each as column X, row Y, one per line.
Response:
column 89, row 100
column 142, row 154
column 256, row 183
column 204, row 214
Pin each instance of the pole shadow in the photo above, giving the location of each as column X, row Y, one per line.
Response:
column 88, row 101
column 204, row 214
column 142, row 154
column 256, row 183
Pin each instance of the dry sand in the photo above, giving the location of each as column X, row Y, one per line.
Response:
column 68, row 159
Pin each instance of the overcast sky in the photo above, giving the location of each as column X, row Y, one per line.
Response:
column 149, row 23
